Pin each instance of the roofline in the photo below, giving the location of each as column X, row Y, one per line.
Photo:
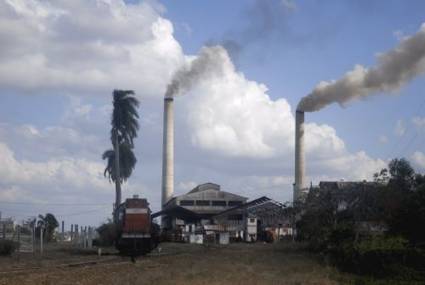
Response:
column 265, row 198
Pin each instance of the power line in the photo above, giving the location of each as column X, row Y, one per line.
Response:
column 393, row 149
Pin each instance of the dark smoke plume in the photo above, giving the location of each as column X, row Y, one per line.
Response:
column 394, row 69
column 208, row 62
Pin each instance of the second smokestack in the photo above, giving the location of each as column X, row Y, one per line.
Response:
column 299, row 155
column 168, row 152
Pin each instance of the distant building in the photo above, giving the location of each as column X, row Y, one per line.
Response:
column 199, row 204
column 207, row 213
column 259, row 216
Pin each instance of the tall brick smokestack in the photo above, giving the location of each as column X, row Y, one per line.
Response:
column 168, row 151
column 299, row 155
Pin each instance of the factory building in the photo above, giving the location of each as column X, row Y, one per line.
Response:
column 198, row 205
column 208, row 214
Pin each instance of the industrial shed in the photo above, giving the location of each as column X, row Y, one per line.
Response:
column 250, row 220
column 197, row 206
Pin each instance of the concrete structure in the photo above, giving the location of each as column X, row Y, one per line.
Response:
column 206, row 199
column 168, row 152
column 198, row 205
column 220, row 217
column 299, row 185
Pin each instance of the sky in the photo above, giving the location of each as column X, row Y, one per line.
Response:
column 61, row 60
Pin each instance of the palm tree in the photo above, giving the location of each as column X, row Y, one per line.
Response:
column 47, row 224
column 127, row 162
column 124, row 130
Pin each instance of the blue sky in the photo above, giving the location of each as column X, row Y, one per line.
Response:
column 318, row 41
column 58, row 68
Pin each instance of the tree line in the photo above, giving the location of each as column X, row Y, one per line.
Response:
column 374, row 228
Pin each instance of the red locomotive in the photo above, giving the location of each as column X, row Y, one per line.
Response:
column 137, row 233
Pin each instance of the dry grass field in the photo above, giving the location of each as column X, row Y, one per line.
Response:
column 175, row 264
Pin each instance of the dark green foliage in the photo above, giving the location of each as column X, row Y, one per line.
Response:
column 409, row 220
column 48, row 224
column 7, row 247
column 402, row 174
column 107, row 234
column 124, row 116
column 348, row 236
column 124, row 127
column 127, row 162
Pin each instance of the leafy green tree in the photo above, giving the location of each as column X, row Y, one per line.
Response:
column 402, row 174
column 124, row 123
column 47, row 224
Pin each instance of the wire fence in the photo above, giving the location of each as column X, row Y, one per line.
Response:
column 32, row 236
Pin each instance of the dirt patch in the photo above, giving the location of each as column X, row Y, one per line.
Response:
column 188, row 264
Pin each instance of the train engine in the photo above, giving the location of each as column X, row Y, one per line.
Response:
column 136, row 232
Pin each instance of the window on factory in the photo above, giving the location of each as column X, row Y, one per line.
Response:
column 219, row 203
column 202, row 202
column 235, row 203
column 187, row 203
column 235, row 217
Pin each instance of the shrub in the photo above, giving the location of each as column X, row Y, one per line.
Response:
column 7, row 247
column 380, row 256
column 107, row 234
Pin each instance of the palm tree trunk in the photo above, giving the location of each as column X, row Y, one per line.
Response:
column 117, row 172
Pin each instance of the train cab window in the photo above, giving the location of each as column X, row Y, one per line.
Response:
column 235, row 203
column 187, row 203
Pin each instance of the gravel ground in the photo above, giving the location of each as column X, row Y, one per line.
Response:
column 174, row 264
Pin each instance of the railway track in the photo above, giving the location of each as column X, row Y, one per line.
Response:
column 89, row 263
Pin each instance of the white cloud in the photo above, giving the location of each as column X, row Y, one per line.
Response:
column 86, row 46
column 399, row 128
column 228, row 129
column 418, row 158
column 232, row 116
column 383, row 139
column 289, row 4
column 419, row 123
column 54, row 173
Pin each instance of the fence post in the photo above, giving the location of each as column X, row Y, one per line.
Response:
column 41, row 239
column 63, row 231
column 19, row 241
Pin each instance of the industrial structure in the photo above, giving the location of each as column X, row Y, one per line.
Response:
column 168, row 152
column 199, row 204
column 207, row 213
column 299, row 185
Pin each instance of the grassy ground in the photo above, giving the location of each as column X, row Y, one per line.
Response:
column 187, row 264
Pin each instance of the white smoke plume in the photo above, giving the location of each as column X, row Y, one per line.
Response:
column 394, row 69
column 208, row 62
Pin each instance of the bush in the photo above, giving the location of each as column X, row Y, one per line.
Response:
column 7, row 247
column 107, row 234
column 380, row 256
